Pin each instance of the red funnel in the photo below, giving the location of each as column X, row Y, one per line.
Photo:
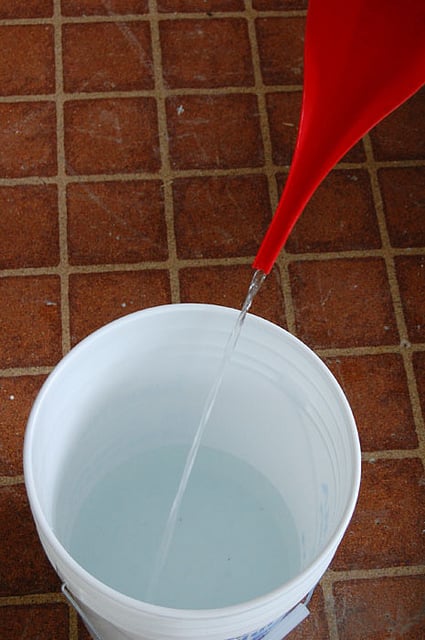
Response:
column 362, row 59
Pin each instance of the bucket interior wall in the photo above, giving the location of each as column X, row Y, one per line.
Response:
column 275, row 410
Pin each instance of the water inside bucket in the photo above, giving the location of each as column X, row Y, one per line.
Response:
column 235, row 538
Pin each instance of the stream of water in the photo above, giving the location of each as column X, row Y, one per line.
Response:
column 161, row 557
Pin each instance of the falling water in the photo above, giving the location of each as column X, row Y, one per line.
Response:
column 162, row 554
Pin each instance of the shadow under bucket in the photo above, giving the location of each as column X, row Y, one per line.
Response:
column 271, row 494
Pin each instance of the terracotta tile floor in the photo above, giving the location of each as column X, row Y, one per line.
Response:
column 143, row 145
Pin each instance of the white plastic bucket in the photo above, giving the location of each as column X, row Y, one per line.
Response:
column 280, row 410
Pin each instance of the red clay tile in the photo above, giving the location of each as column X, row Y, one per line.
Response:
column 16, row 398
column 315, row 627
column 35, row 621
column 387, row 526
column 26, row 9
column 278, row 5
column 376, row 388
column 284, row 113
column 27, row 139
column 343, row 303
column 220, row 217
column 103, row 7
column 29, row 235
column 228, row 286
column 107, row 56
column 381, row 608
column 402, row 192
column 411, row 278
column 83, row 634
column 98, row 298
column 25, row 568
column 281, row 49
column 30, row 324
column 27, row 63
column 201, row 6
column 355, row 154
column 215, row 131
column 419, row 367
column 111, row 136
column 116, row 222
column 339, row 217
column 401, row 135
column 206, row 53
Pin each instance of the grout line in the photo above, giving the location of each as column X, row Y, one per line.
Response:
column 150, row 93
column 129, row 266
column 37, row 598
column 258, row 90
column 415, row 402
column 329, row 605
column 373, row 574
column 143, row 17
column 127, row 177
column 15, row 22
column 269, row 168
column 388, row 255
column 173, row 174
column 391, row 164
column 189, row 173
column 209, row 262
column 353, row 253
column 283, row 264
column 366, row 350
column 185, row 91
column 63, row 269
column 386, row 245
column 73, row 623
column 390, row 454
column 196, row 262
column 10, row 481
column 165, row 172
column 27, row 97
column 16, row 372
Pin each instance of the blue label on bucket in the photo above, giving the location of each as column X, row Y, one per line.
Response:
column 259, row 633
column 279, row 628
